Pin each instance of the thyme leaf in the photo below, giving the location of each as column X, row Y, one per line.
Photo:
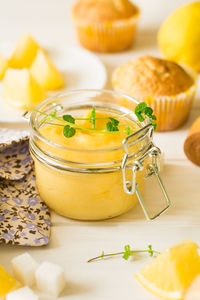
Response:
column 92, row 118
column 110, row 127
column 142, row 112
column 69, row 119
column 69, row 131
column 127, row 252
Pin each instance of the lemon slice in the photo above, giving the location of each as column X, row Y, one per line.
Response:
column 3, row 66
column 171, row 273
column 46, row 73
column 7, row 283
column 20, row 89
column 24, row 53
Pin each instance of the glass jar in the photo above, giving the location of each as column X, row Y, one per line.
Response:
column 94, row 184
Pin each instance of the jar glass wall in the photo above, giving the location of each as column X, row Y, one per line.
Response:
column 82, row 178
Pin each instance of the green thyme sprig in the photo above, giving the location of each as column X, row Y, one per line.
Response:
column 126, row 254
column 70, row 127
column 142, row 112
column 112, row 125
column 92, row 118
column 70, row 130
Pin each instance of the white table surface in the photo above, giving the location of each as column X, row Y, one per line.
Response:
column 73, row 242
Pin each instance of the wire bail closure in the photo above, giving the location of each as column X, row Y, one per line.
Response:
column 130, row 186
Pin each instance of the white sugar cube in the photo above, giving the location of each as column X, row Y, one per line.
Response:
column 50, row 278
column 24, row 267
column 24, row 293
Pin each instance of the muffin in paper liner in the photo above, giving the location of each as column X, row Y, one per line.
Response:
column 111, row 36
column 24, row 218
column 164, row 85
column 171, row 111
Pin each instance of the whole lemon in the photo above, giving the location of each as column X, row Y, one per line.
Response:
column 179, row 35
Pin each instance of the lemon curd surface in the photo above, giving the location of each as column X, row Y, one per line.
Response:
column 92, row 189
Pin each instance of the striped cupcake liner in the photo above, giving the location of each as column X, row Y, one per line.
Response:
column 107, row 37
column 172, row 112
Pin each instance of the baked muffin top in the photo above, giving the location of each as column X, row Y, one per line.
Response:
column 151, row 76
column 103, row 10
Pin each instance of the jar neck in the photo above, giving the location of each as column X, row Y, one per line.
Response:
column 59, row 154
column 100, row 161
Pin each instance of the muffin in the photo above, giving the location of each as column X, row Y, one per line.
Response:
column 105, row 25
column 164, row 85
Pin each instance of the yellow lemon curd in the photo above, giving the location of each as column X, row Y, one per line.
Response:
column 84, row 195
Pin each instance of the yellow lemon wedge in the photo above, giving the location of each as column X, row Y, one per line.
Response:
column 20, row 89
column 24, row 52
column 7, row 283
column 193, row 292
column 170, row 274
column 45, row 72
column 179, row 35
column 3, row 66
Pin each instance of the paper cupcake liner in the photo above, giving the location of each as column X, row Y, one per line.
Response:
column 171, row 112
column 107, row 37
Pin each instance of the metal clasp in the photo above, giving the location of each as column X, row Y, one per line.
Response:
column 131, row 186
column 26, row 116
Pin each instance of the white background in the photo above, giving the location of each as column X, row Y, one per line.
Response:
column 73, row 242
